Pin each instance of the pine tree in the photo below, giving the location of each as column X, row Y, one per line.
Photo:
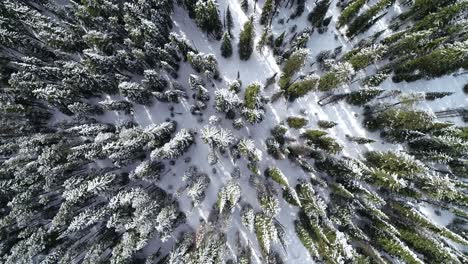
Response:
column 226, row 101
column 175, row 147
column 228, row 197
column 135, row 92
column 326, row 124
column 297, row 122
column 265, row 38
column 266, row 232
column 226, row 46
column 301, row 88
column 248, row 217
column 350, row 12
column 197, row 184
column 248, row 149
column 291, row 67
column 266, row 12
column 148, row 171
column 270, row 205
column 277, row 175
column 207, row 17
column 205, row 63
column 216, row 138
column 338, row 74
column 317, row 15
column 363, row 96
column 246, row 39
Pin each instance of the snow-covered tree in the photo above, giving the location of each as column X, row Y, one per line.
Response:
column 197, row 184
column 135, row 92
column 207, row 17
column 216, row 138
column 226, row 101
column 228, row 196
column 175, row 147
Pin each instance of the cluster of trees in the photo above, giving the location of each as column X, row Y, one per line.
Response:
column 59, row 205
column 77, row 189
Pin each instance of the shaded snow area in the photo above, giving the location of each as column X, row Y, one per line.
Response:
column 258, row 68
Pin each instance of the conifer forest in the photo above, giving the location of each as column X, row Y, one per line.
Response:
column 233, row 131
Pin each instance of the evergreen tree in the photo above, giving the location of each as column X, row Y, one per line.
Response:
column 226, row 46
column 246, row 39
column 317, row 15
column 301, row 88
column 337, row 75
column 226, row 101
column 135, row 92
column 350, row 12
column 291, row 67
column 175, row 147
column 197, row 184
column 207, row 17
column 266, row 12
column 228, row 197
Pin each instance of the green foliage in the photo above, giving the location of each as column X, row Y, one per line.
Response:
column 292, row 65
column 301, row 88
column 441, row 61
column 422, row 8
column 266, row 232
column 326, row 124
column 361, row 140
column 363, row 96
column 275, row 174
column 297, row 121
column 442, row 18
column 245, row 5
column 418, row 219
column 452, row 146
column 252, row 95
column 319, row 139
column 226, row 46
column 361, row 58
column 246, row 39
column 338, row 74
column 365, row 18
column 350, row 12
column 207, row 17
column 328, row 144
column 266, row 12
column 313, row 134
column 290, row 196
column 265, row 39
column 190, row 5
column 376, row 79
column 425, row 245
column 228, row 196
column 400, row 164
column 397, row 248
column 400, row 119
column 306, row 239
column 270, row 205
